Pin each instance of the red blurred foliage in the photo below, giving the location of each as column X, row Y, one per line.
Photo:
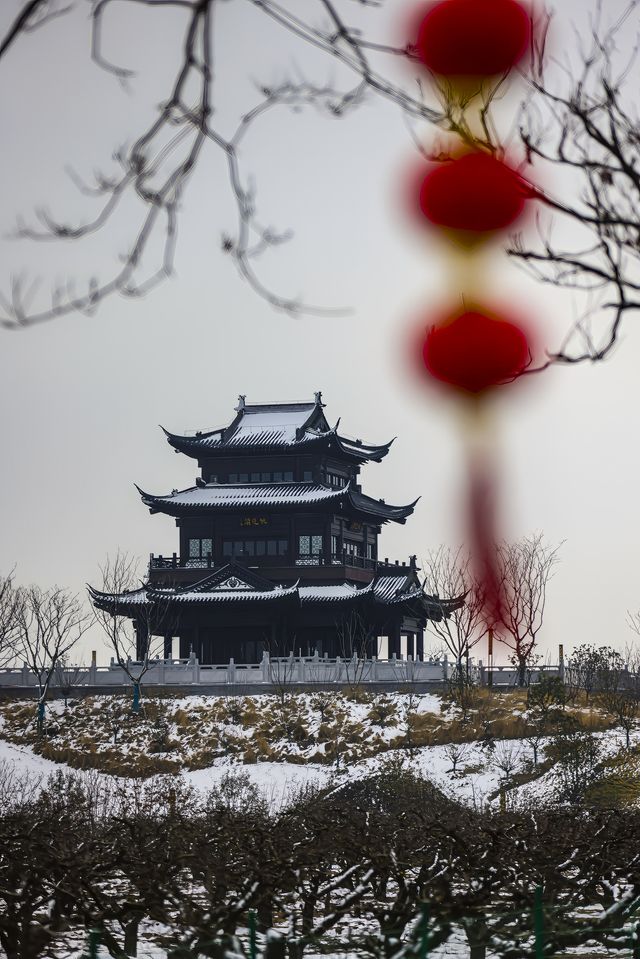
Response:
column 477, row 38
column 483, row 536
column 474, row 351
column 475, row 192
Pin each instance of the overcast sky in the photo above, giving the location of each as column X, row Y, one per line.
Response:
column 82, row 397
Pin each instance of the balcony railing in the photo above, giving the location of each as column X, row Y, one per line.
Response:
column 176, row 562
column 335, row 559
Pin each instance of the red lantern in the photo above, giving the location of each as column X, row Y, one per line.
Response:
column 476, row 192
column 473, row 37
column 474, row 352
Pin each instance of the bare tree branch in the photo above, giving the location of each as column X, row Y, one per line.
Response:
column 588, row 126
column 156, row 169
column 524, row 569
column 34, row 14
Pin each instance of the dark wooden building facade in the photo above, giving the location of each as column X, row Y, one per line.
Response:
column 279, row 547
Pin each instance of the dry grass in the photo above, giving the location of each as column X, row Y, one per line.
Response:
column 173, row 732
column 620, row 782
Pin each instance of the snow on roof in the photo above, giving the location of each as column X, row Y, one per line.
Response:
column 389, row 588
column 231, row 595
column 275, row 425
column 319, row 594
column 265, row 425
column 266, row 495
column 230, row 495
column 385, row 589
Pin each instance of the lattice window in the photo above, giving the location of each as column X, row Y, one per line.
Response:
column 309, row 545
column 200, row 548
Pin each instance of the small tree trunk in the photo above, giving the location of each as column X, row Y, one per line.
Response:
column 476, row 933
column 40, row 716
column 522, row 673
column 131, row 938
column 275, row 946
column 265, row 914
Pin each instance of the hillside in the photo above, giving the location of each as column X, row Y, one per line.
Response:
column 497, row 744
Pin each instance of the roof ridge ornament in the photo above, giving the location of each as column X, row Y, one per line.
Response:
column 242, row 402
column 318, row 398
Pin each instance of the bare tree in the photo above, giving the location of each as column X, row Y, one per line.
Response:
column 581, row 119
column 448, row 576
column 354, row 638
column 157, row 168
column 506, row 760
column 50, row 623
column 282, row 676
column 136, row 646
column 67, row 676
column 615, row 694
column 524, row 569
column 584, row 121
column 632, row 656
column 10, row 601
column 456, row 753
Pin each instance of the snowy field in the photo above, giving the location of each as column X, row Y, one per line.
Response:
column 476, row 781
column 471, row 772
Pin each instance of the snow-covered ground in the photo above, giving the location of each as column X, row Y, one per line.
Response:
column 476, row 781
column 477, row 778
column 470, row 772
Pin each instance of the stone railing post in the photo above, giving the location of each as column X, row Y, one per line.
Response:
column 231, row 671
column 24, row 679
column 161, row 666
column 374, row 669
column 93, row 669
column 195, row 668
column 445, row 668
column 266, row 667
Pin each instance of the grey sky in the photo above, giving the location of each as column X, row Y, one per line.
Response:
column 82, row 397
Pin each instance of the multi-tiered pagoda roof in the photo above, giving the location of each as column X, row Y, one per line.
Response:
column 277, row 426
column 214, row 497
column 278, row 544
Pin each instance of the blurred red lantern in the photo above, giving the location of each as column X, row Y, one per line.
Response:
column 474, row 352
column 475, row 192
column 473, row 37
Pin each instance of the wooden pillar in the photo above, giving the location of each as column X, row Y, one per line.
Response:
column 411, row 649
column 420, row 644
column 168, row 646
column 326, row 543
column 293, row 546
column 394, row 640
column 141, row 640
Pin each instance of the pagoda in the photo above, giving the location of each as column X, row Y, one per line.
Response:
column 278, row 548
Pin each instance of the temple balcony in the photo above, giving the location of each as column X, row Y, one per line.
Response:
column 334, row 562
